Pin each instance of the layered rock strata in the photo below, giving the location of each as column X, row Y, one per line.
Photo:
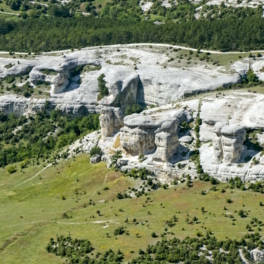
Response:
column 150, row 83
column 233, row 137
column 228, row 142
column 143, row 133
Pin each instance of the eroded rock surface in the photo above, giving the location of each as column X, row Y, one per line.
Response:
column 147, row 83
column 166, row 140
column 228, row 142
column 142, row 133
column 111, row 120
column 232, row 139
column 257, row 255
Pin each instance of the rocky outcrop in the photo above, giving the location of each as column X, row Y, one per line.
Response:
column 162, row 86
column 148, row 84
column 95, row 159
column 257, row 255
column 122, row 84
column 245, row 109
column 137, row 141
column 166, row 140
column 143, row 133
column 233, row 137
column 58, row 82
column 228, row 142
column 111, row 120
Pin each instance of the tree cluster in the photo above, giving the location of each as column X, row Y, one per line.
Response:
column 76, row 32
column 36, row 137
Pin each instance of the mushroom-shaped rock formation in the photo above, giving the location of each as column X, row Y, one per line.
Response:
column 139, row 132
column 228, row 142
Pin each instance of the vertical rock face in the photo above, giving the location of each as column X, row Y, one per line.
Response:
column 233, row 137
column 111, row 120
column 149, row 131
column 127, row 92
column 228, row 142
column 122, row 84
column 137, row 141
column 60, row 82
column 166, row 140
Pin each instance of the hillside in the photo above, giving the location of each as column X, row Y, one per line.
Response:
column 66, row 198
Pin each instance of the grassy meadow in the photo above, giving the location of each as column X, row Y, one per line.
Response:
column 67, row 197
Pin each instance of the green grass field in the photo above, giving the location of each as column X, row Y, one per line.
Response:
column 32, row 212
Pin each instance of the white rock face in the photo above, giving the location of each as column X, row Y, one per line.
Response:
column 166, row 140
column 122, row 84
column 186, row 139
column 245, row 109
column 137, row 141
column 144, row 132
column 150, row 83
column 228, row 142
column 145, row 6
column 154, row 133
column 58, row 82
column 232, row 140
column 257, row 255
column 225, row 157
column 111, row 120
column 217, row 144
column 163, row 86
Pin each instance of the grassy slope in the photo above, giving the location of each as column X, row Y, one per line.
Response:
column 39, row 203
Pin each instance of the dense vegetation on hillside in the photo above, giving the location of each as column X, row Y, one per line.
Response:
column 38, row 136
column 77, row 32
column 189, row 250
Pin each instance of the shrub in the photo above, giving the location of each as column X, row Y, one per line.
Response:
column 95, row 151
column 228, row 200
column 11, row 169
column 214, row 181
column 115, row 158
column 24, row 164
column 135, row 108
column 153, row 234
column 119, row 231
column 102, row 87
column 241, row 213
column 27, row 94
column 10, row 79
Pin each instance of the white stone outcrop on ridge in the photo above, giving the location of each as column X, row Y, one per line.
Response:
column 147, row 83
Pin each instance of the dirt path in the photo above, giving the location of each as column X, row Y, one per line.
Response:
column 137, row 44
column 100, row 187
column 33, row 176
column 8, row 14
